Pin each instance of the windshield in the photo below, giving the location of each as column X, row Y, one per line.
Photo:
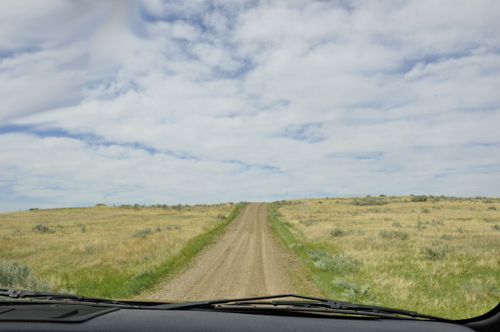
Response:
column 184, row 151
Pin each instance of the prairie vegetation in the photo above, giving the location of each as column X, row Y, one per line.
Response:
column 434, row 255
column 104, row 251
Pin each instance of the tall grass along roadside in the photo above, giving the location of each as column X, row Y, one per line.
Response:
column 104, row 251
column 432, row 254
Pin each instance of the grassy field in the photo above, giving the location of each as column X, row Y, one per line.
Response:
column 105, row 251
column 434, row 255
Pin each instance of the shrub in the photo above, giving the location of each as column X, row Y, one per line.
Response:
column 42, row 229
column 276, row 213
column 306, row 222
column 436, row 253
column 170, row 227
column 357, row 293
column 83, row 228
column 143, row 273
column 369, row 201
column 394, row 235
column 421, row 225
column 426, row 210
column 339, row 263
column 396, row 224
column 315, row 254
column 13, row 275
column 221, row 217
column 422, row 198
column 476, row 291
column 496, row 226
column 446, row 237
column 336, row 232
column 100, row 204
column 491, row 208
column 157, row 229
column 141, row 234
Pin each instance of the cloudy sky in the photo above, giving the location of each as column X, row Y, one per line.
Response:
column 213, row 101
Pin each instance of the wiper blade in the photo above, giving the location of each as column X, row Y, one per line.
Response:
column 314, row 304
column 22, row 293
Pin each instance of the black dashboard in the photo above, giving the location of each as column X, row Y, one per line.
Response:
column 202, row 320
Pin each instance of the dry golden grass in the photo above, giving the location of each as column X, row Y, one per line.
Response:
column 409, row 273
column 105, row 245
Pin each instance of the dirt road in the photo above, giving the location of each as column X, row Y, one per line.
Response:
column 245, row 261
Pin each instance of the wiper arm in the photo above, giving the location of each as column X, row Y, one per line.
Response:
column 191, row 305
column 197, row 304
column 333, row 307
column 22, row 293
column 314, row 304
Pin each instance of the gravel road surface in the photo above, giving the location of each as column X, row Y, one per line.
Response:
column 245, row 261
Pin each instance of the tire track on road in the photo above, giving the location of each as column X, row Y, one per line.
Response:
column 244, row 262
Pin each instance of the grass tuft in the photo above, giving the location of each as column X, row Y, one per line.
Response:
column 337, row 232
column 394, row 235
column 436, row 253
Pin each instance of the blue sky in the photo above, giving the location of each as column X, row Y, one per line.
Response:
column 188, row 102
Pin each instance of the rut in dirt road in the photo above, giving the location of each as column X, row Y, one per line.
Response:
column 244, row 262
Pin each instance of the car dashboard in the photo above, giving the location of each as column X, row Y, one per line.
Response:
column 220, row 321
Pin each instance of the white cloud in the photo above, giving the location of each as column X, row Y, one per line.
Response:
column 184, row 102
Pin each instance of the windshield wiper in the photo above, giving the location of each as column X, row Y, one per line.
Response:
column 22, row 294
column 314, row 304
